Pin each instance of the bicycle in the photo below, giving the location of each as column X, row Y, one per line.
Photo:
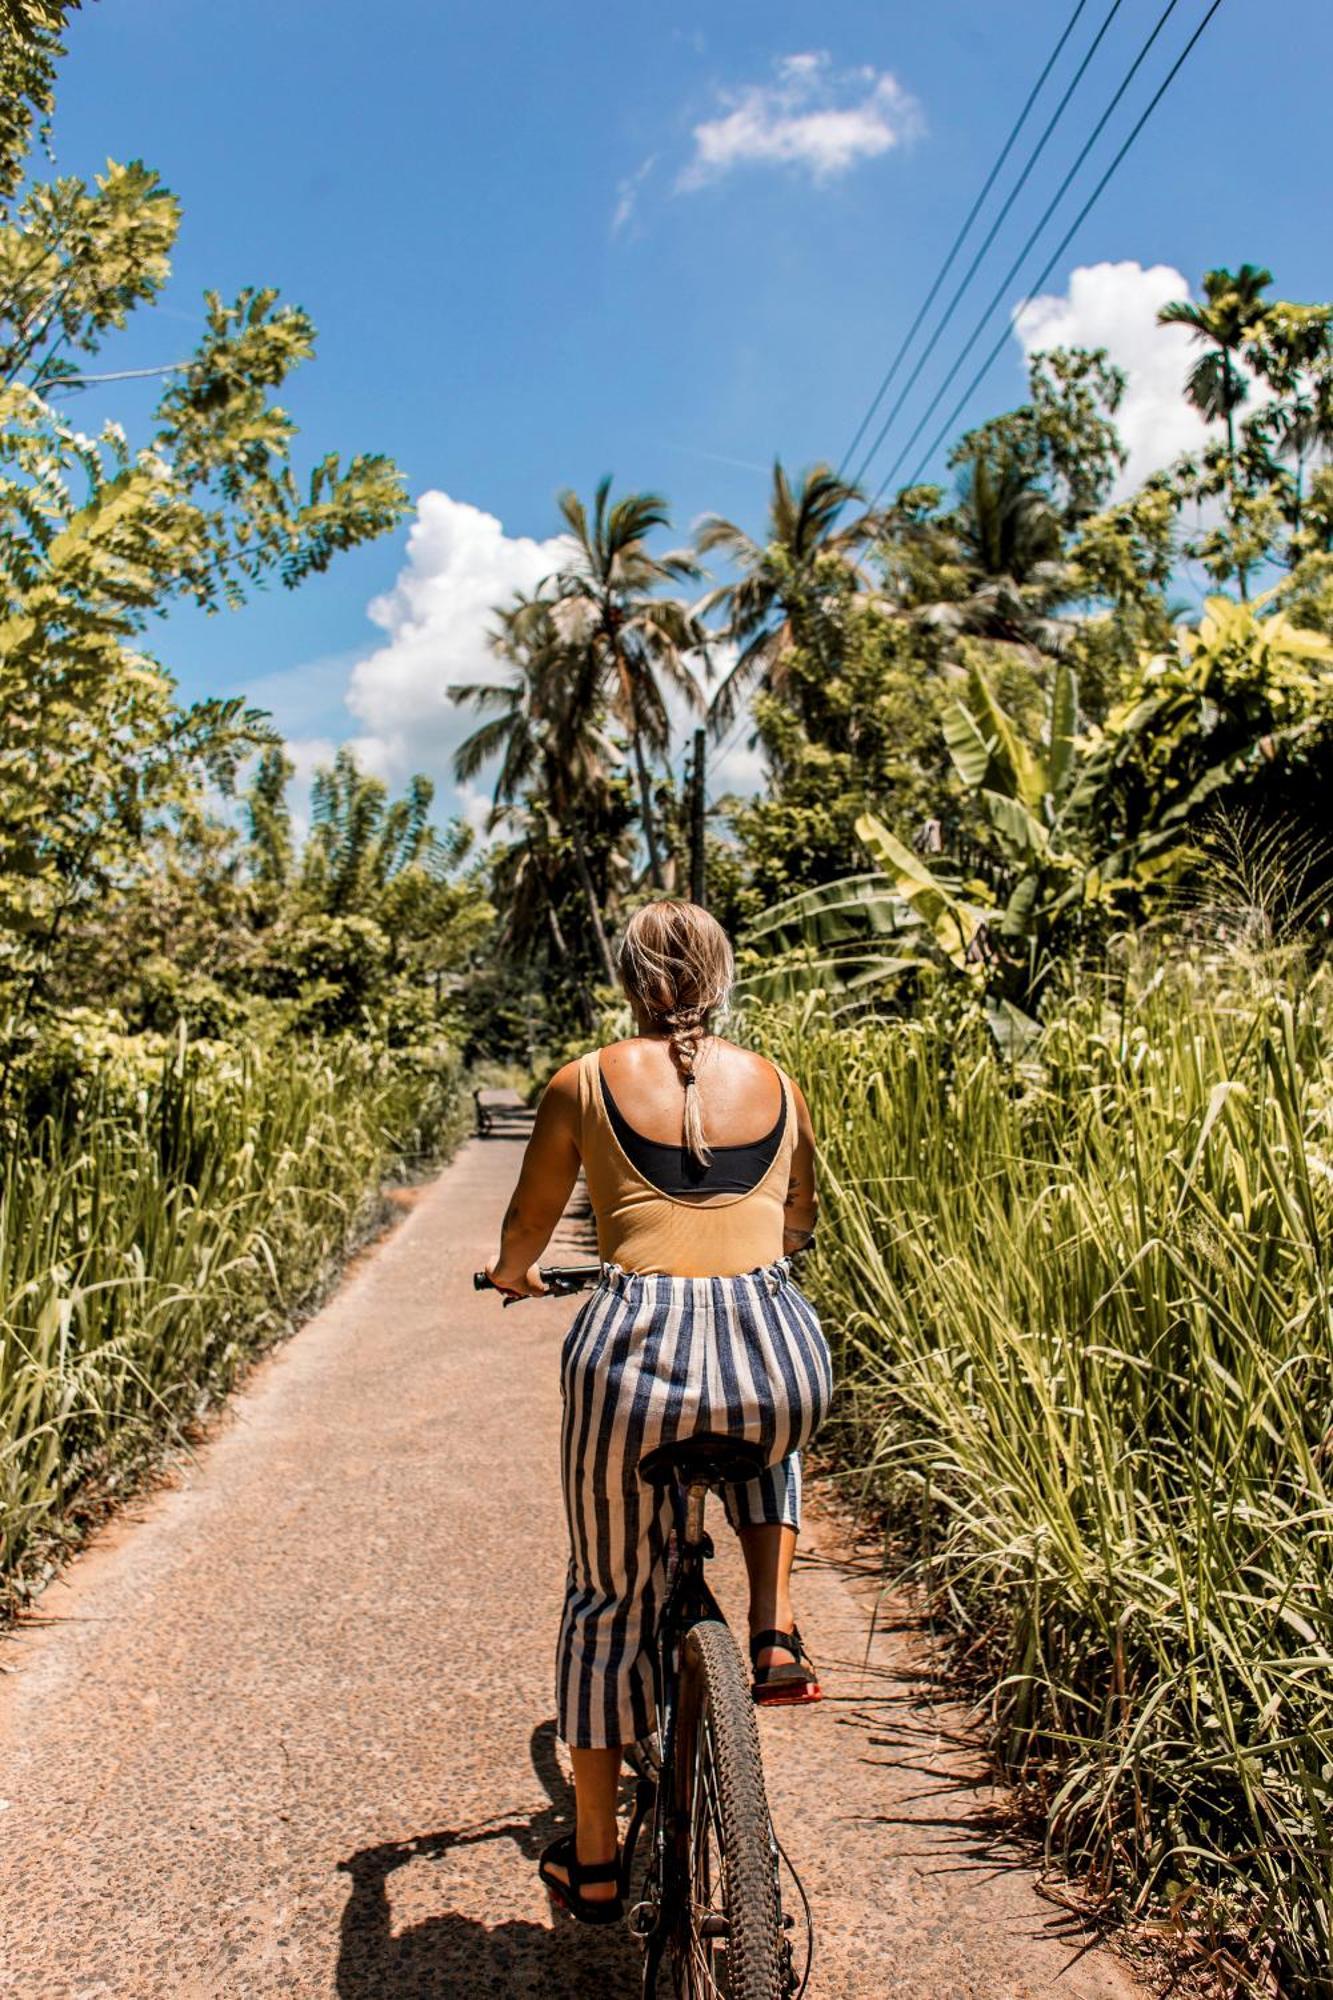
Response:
column 711, row 1901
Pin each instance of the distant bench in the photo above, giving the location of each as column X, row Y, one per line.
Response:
column 501, row 1114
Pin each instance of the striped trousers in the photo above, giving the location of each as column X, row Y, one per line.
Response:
column 649, row 1359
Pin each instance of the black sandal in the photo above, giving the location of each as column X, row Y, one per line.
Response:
column 568, row 1897
column 776, row 1687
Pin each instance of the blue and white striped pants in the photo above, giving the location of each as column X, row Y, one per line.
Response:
column 647, row 1360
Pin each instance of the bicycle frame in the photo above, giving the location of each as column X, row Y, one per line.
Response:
column 688, row 1600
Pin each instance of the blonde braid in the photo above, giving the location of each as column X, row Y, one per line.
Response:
column 676, row 963
column 686, row 1027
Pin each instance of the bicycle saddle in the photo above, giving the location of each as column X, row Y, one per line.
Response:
column 709, row 1458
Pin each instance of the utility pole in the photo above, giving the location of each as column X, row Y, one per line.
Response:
column 697, row 777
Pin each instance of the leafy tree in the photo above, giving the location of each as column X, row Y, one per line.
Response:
column 608, row 604
column 1007, row 568
column 549, row 729
column 996, row 562
column 791, row 585
column 97, row 537
column 30, row 47
column 1089, row 821
column 860, row 729
column 1233, row 306
column 1217, row 386
column 269, row 821
column 1064, row 438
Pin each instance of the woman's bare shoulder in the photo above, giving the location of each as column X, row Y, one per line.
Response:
column 564, row 1085
column 743, row 1058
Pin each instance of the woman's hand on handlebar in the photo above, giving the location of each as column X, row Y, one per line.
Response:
column 516, row 1284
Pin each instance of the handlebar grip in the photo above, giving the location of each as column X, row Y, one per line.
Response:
column 482, row 1281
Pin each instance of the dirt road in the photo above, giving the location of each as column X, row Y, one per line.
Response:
column 286, row 1729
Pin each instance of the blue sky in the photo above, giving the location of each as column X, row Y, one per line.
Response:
column 545, row 243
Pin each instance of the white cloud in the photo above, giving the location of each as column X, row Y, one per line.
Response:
column 460, row 566
column 811, row 116
column 1115, row 306
column 627, row 195
column 436, row 619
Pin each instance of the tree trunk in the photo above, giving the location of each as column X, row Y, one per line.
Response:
column 594, row 907
column 1241, row 573
column 558, row 938
column 646, row 812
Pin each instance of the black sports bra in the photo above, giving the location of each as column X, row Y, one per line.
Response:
column 674, row 1169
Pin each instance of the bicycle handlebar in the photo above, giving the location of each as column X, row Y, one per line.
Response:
column 559, row 1279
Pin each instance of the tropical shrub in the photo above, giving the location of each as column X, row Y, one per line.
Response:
column 1082, row 1315
column 164, row 1218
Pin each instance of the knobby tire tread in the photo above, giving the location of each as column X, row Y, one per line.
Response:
column 714, row 1683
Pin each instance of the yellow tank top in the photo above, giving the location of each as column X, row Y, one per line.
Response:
column 644, row 1230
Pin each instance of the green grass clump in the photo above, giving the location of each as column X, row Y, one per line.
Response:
column 1082, row 1311
column 154, row 1238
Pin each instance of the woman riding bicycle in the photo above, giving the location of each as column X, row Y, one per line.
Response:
column 699, row 1161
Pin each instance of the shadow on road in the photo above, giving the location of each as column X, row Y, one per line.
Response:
column 456, row 1955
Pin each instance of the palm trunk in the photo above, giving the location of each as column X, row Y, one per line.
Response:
column 1241, row 573
column 594, row 907
column 646, row 812
column 554, row 925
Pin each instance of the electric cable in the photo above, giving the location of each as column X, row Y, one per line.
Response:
column 1055, row 255
column 1034, row 235
column 961, row 237
column 965, row 282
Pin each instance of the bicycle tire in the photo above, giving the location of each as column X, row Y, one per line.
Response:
column 719, row 1772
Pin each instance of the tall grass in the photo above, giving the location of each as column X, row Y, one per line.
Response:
column 150, row 1245
column 1085, row 1328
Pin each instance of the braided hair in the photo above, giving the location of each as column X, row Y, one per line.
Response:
column 675, row 962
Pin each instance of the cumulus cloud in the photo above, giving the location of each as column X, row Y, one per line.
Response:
column 811, row 116
column 436, row 618
column 1115, row 306
column 390, row 706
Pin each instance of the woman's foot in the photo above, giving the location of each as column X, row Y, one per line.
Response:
column 771, row 1656
column 769, row 1615
column 783, row 1670
column 591, row 1853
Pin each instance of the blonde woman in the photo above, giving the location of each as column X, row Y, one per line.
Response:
column 699, row 1158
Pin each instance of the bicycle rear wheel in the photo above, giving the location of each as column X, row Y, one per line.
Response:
column 728, row 1941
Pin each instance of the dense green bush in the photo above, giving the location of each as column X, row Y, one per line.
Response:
column 163, row 1215
column 1082, row 1315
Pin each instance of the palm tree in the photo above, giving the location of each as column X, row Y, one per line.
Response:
column 1305, row 430
column 1005, row 522
column 1233, row 307
column 993, row 566
column 548, row 730
column 775, row 603
column 607, row 605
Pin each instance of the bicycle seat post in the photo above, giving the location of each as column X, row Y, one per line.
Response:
column 696, row 1497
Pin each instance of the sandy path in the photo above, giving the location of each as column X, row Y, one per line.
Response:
column 285, row 1729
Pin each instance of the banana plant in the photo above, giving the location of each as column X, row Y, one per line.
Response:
column 1087, row 819
column 856, row 940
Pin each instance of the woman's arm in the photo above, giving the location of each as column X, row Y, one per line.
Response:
column 546, row 1178
column 802, row 1204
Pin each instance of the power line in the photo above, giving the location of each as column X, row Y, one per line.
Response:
column 1059, row 249
column 1034, row 235
column 991, row 234
column 961, row 237
column 746, row 722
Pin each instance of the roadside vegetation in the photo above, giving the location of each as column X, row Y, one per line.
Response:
column 1084, row 1327
column 1033, row 896
column 219, row 1030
